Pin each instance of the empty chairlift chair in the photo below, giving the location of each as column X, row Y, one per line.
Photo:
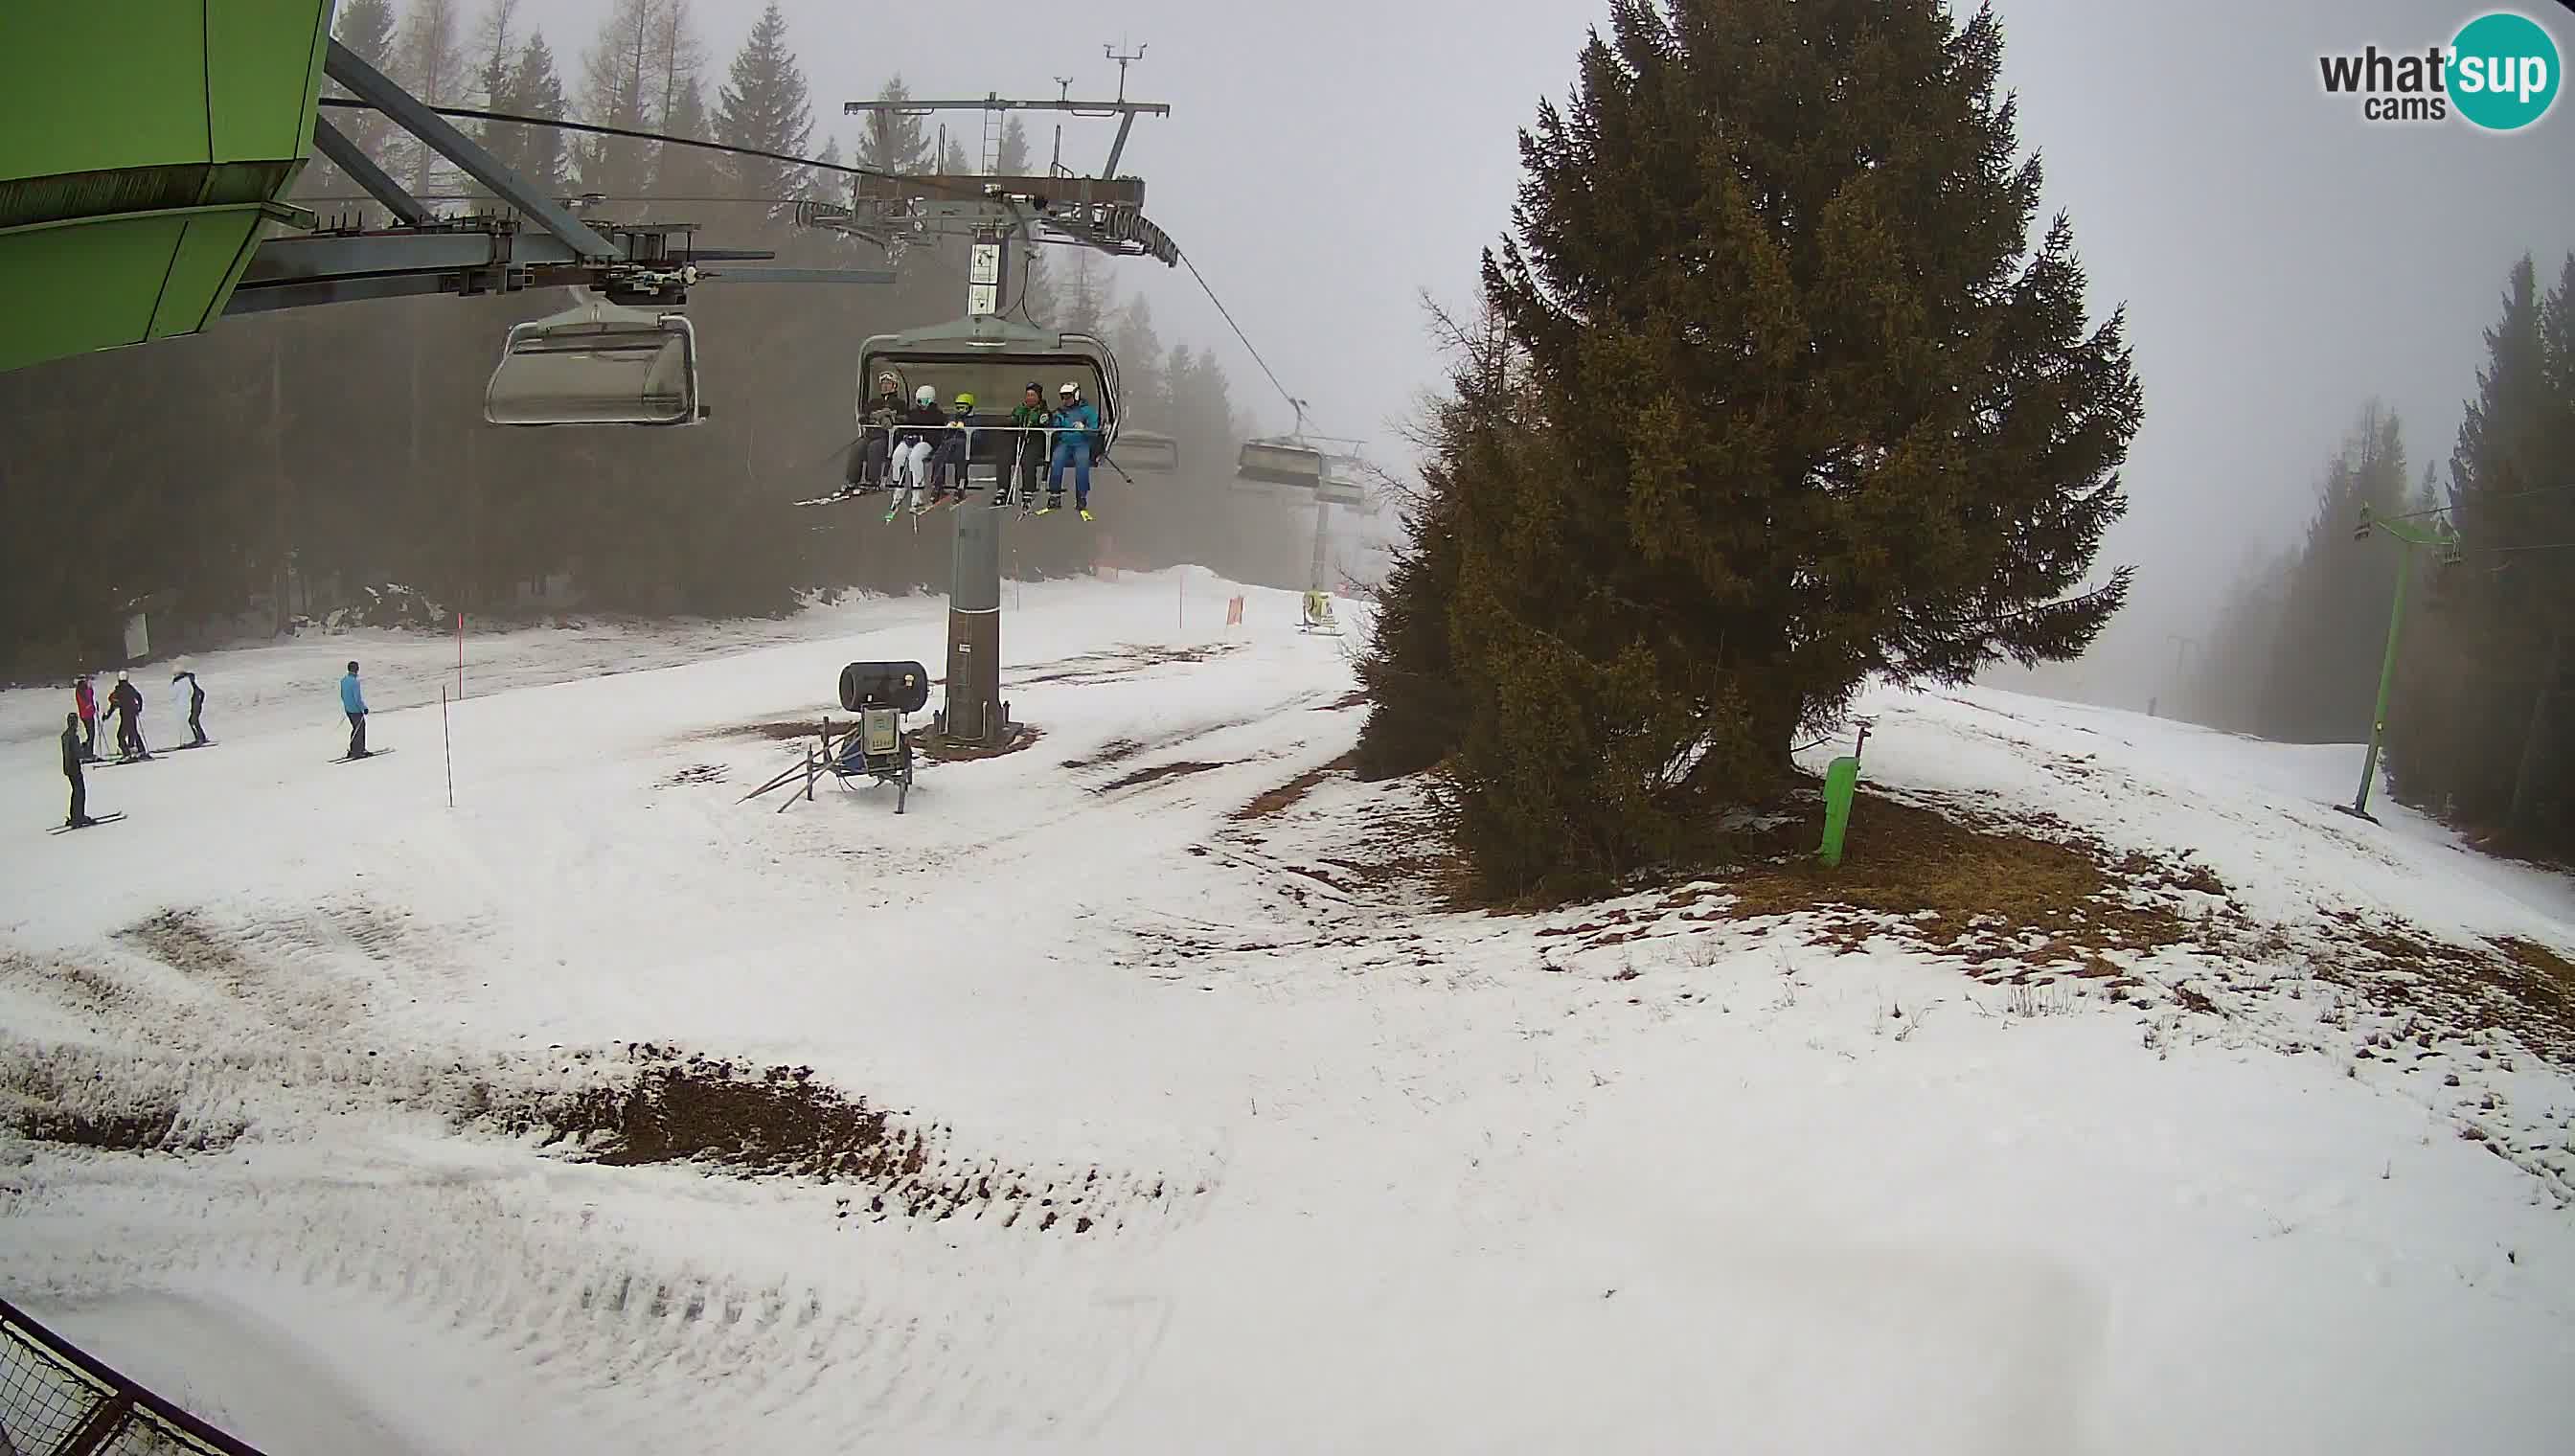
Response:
column 1286, row 463
column 597, row 364
column 1149, row 451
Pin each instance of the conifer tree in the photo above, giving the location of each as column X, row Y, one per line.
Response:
column 765, row 105
column 685, row 172
column 1811, row 406
column 535, row 89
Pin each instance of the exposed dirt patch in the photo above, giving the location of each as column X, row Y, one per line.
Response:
column 781, row 731
column 1115, row 750
column 940, row 751
column 1157, row 773
column 1355, row 697
column 697, row 774
column 185, row 941
column 1125, row 660
column 84, row 1098
column 1285, row 796
column 2454, row 989
column 647, row 1104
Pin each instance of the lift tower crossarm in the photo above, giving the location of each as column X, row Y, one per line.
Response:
column 350, row 158
column 408, row 112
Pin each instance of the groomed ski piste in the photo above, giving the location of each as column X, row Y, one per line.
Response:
column 1135, row 1092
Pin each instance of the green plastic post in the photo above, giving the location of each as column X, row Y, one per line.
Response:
column 1841, row 780
column 2439, row 537
column 2386, row 681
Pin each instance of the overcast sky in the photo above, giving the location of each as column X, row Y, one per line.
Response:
column 2282, row 259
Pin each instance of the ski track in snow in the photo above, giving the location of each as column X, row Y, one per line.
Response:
column 1333, row 1168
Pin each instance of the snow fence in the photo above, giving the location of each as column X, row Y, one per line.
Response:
column 56, row 1400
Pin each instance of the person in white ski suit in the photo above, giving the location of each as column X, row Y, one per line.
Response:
column 915, row 438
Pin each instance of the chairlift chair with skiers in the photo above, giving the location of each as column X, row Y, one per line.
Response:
column 598, row 363
column 993, row 358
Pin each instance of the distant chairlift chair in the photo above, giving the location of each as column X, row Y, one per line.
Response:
column 880, row 746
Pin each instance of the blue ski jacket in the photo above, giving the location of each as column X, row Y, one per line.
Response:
column 1082, row 419
column 351, row 701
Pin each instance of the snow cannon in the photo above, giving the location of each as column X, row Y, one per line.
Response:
column 902, row 687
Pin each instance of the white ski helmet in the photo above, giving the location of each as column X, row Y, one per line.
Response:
column 924, row 396
column 1069, row 387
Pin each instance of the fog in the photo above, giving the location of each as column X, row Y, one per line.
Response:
column 2281, row 258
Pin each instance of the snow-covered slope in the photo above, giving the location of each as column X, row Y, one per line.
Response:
column 1105, row 1113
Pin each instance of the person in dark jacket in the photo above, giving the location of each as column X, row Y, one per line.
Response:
column 1029, row 447
column 196, row 703
column 85, row 699
column 914, row 440
column 126, row 702
column 354, row 703
column 869, row 462
column 72, row 756
column 956, row 448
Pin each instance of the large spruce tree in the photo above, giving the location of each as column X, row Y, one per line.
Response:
column 764, row 106
column 1814, row 407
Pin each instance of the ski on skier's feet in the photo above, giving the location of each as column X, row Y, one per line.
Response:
column 93, row 822
column 183, row 747
column 370, row 753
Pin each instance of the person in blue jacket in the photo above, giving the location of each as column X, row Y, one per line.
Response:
column 1077, row 430
column 354, row 703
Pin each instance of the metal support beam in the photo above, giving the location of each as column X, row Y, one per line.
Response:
column 1126, row 124
column 998, row 103
column 350, row 158
column 802, row 275
column 373, row 87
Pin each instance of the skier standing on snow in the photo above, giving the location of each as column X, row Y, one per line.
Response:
column 196, row 703
column 85, row 697
column 354, row 703
column 72, row 753
column 126, row 702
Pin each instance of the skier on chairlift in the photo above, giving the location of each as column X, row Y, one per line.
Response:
column 955, row 446
column 870, row 463
column 1076, row 427
column 915, row 438
column 1028, row 447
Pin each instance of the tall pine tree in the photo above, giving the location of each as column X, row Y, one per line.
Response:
column 765, row 105
column 1813, row 408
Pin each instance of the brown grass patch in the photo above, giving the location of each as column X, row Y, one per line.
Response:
column 2015, row 898
column 1285, row 796
column 2450, row 989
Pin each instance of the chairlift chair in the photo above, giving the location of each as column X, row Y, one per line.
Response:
column 596, row 363
column 993, row 358
column 1149, row 449
column 1278, row 462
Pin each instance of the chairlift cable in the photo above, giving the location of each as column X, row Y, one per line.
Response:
column 2480, row 501
column 593, row 128
column 1292, row 400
